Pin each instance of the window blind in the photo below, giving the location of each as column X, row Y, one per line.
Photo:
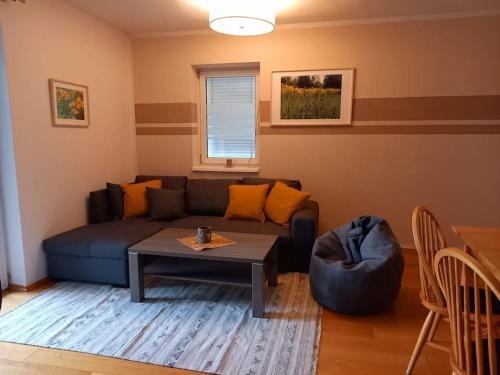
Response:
column 231, row 117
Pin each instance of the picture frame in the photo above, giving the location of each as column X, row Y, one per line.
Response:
column 312, row 97
column 69, row 104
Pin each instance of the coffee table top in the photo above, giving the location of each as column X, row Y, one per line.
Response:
column 250, row 248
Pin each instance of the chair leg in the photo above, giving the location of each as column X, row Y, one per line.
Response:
column 424, row 332
column 435, row 325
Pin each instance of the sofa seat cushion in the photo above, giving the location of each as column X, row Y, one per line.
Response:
column 222, row 225
column 105, row 240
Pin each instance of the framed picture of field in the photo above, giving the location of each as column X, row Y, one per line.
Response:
column 69, row 104
column 313, row 97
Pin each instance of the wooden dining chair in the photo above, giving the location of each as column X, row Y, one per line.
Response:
column 429, row 240
column 471, row 293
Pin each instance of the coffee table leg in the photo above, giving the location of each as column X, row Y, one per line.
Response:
column 273, row 273
column 257, row 290
column 136, row 275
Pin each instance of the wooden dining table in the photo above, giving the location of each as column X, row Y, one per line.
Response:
column 483, row 244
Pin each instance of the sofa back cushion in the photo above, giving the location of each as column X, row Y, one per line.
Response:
column 166, row 204
column 271, row 181
column 167, row 182
column 208, row 196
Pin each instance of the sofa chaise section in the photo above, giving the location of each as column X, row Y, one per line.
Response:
column 97, row 252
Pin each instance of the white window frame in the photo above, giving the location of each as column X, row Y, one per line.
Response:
column 219, row 164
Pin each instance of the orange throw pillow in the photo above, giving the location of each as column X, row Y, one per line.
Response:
column 135, row 202
column 247, row 202
column 283, row 201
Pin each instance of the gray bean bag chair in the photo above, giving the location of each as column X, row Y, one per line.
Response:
column 357, row 268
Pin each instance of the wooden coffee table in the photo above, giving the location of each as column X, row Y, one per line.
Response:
column 248, row 263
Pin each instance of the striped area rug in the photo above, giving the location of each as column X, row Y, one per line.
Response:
column 194, row 326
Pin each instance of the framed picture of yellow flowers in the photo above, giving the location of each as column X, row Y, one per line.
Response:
column 312, row 97
column 69, row 103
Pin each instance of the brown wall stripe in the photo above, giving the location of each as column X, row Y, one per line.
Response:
column 481, row 107
column 172, row 130
column 440, row 108
column 380, row 129
column 485, row 107
column 265, row 111
column 152, row 113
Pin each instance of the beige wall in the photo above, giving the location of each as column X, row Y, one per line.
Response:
column 458, row 175
column 425, row 58
column 57, row 167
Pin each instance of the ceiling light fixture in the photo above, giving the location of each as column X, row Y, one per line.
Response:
column 242, row 17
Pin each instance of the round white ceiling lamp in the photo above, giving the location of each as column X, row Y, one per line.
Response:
column 242, row 17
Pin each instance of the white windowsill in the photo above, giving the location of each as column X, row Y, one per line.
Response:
column 216, row 168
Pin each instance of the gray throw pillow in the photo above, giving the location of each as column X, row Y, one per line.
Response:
column 115, row 195
column 166, row 204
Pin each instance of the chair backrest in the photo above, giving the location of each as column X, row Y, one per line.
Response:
column 468, row 287
column 429, row 239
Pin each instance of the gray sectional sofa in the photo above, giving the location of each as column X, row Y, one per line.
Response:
column 97, row 252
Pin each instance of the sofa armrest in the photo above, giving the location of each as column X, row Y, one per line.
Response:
column 99, row 209
column 304, row 230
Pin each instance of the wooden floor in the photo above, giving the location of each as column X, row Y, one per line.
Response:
column 373, row 345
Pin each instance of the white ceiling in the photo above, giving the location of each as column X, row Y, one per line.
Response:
column 157, row 16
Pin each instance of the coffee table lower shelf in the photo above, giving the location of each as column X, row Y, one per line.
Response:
column 251, row 275
column 201, row 271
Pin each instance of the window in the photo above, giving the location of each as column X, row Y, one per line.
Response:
column 229, row 113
